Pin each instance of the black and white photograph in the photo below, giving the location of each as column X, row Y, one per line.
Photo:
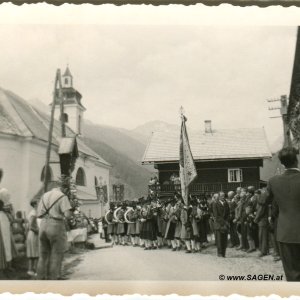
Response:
column 141, row 144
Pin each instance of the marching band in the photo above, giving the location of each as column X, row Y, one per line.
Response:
column 153, row 223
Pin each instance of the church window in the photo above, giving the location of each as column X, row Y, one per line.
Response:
column 66, row 118
column 80, row 177
column 79, row 124
column 66, row 81
column 96, row 181
column 49, row 174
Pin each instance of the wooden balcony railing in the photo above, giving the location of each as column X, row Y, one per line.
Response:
column 200, row 188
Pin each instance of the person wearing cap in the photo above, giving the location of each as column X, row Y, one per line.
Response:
column 53, row 208
column 284, row 195
column 111, row 225
column 120, row 227
column 178, row 224
column 131, row 226
column 171, row 224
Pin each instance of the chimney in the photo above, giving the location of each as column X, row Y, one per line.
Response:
column 208, row 128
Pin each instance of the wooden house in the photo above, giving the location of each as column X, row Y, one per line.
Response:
column 224, row 159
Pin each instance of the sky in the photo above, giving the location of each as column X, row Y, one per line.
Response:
column 133, row 67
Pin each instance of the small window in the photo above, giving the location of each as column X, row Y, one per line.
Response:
column 96, row 181
column 235, row 175
column 66, row 81
column 79, row 124
column 80, row 177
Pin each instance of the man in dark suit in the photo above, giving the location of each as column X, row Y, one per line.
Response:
column 221, row 214
column 261, row 219
column 284, row 192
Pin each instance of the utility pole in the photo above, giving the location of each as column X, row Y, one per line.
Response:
column 283, row 115
column 48, row 153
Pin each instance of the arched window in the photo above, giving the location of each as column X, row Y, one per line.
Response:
column 80, row 177
column 66, row 118
column 96, row 181
column 79, row 124
column 49, row 174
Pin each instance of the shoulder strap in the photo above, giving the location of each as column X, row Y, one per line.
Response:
column 47, row 209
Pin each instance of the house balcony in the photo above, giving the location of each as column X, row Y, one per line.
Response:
column 201, row 188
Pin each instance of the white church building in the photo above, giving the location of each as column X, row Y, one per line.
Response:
column 23, row 144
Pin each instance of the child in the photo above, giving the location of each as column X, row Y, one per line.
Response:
column 32, row 240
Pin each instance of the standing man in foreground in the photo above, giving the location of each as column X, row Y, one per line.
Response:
column 53, row 208
column 221, row 213
column 284, row 193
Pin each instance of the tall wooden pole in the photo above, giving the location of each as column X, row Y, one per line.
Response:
column 286, row 131
column 48, row 153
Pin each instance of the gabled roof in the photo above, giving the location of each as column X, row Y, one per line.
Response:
column 19, row 118
column 218, row 145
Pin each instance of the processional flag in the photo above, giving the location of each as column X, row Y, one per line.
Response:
column 187, row 167
column 293, row 113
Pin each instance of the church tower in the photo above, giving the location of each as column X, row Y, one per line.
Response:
column 73, row 109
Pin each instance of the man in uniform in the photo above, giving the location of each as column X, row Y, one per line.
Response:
column 53, row 208
column 284, row 193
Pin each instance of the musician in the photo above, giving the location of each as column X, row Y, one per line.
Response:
column 177, row 213
column 195, row 217
column 131, row 218
column 120, row 223
column 171, row 223
column 186, row 229
column 111, row 225
column 147, row 232
column 161, row 223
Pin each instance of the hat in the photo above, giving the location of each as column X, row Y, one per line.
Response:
column 33, row 202
column 4, row 196
column 251, row 189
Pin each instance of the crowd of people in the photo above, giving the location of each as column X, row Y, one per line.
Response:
column 249, row 219
column 41, row 236
column 242, row 217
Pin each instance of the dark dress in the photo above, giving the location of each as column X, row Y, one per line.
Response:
column 148, row 231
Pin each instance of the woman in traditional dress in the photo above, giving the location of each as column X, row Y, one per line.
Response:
column 147, row 232
column 32, row 242
column 6, row 238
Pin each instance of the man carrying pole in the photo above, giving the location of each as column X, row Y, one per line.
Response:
column 188, row 172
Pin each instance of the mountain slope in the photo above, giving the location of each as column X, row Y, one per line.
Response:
column 123, row 167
